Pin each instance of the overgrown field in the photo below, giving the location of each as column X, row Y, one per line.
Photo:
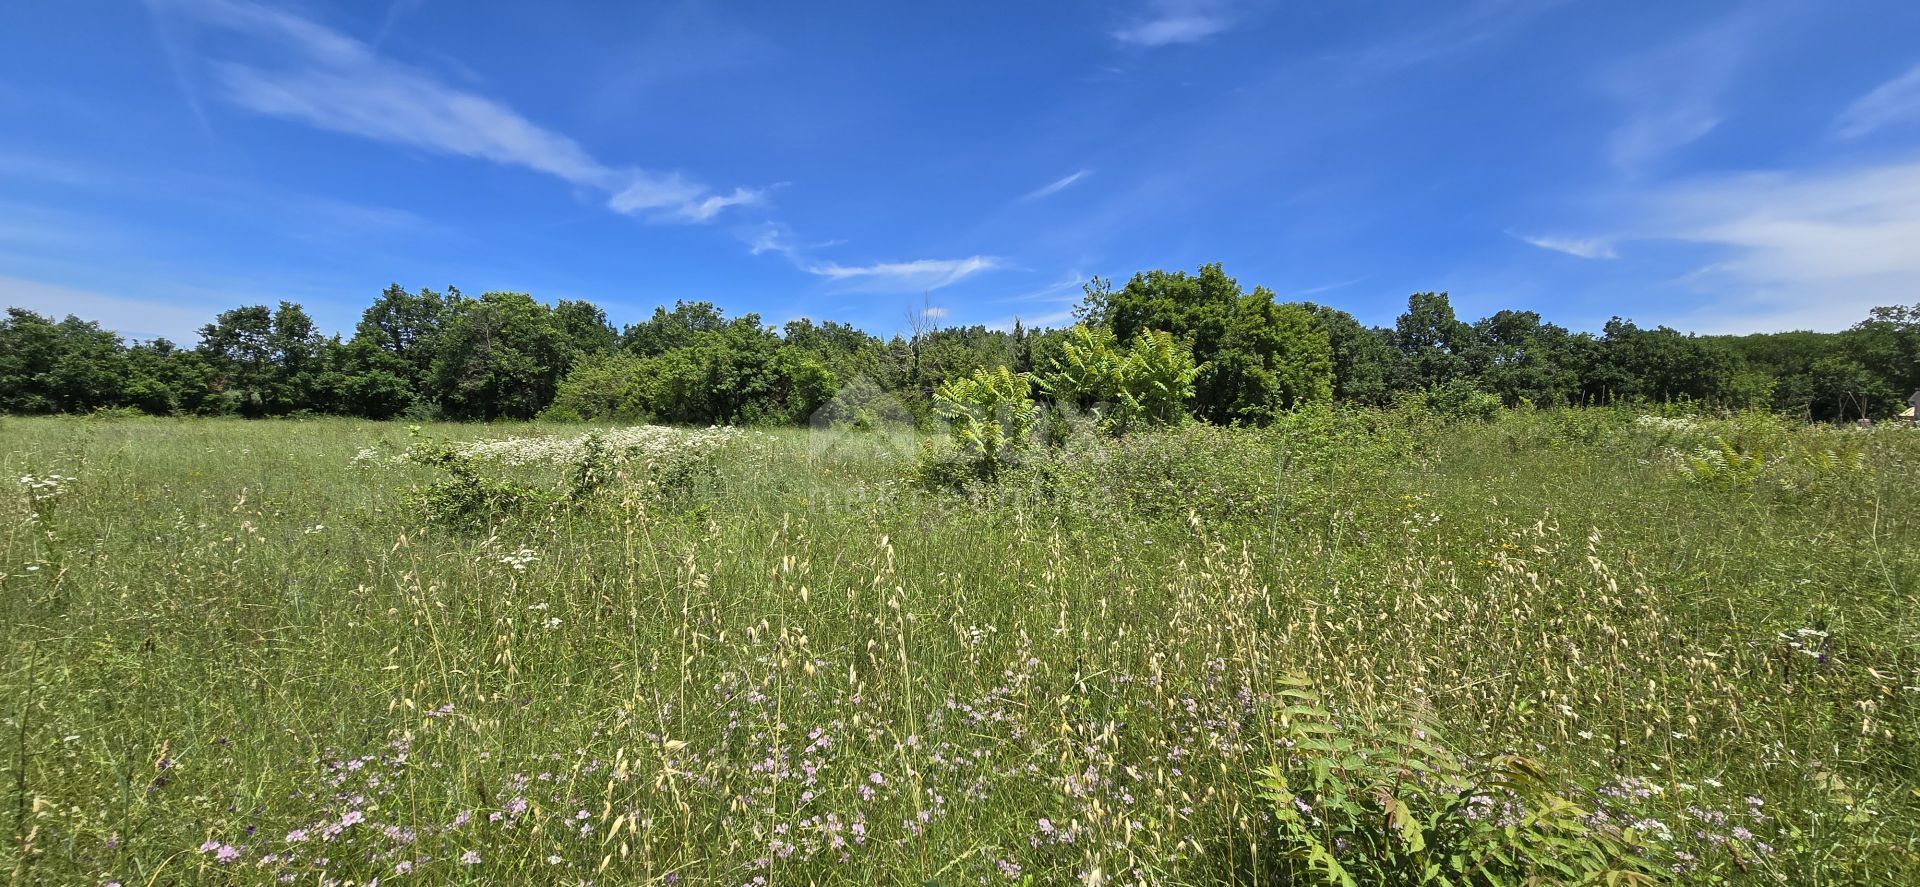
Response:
column 1354, row 647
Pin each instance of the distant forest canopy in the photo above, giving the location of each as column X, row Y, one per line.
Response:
column 506, row 355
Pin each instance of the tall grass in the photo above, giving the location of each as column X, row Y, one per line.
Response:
column 232, row 652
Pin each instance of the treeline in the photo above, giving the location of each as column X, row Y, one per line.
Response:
column 509, row 356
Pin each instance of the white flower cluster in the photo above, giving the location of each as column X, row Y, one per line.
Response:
column 369, row 457
column 642, row 444
column 1664, row 423
column 520, row 559
column 44, row 487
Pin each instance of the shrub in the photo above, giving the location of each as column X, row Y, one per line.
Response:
column 1149, row 384
column 487, row 480
column 1459, row 400
column 1157, row 384
column 991, row 417
column 467, row 496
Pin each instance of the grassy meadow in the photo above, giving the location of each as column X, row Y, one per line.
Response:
column 1354, row 647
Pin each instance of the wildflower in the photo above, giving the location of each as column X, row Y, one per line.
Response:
column 296, row 836
column 227, row 853
column 471, row 857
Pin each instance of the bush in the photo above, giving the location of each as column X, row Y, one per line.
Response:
column 1462, row 401
column 990, row 417
column 468, row 496
column 487, row 480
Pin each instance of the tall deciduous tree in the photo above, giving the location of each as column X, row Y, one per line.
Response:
column 500, row 356
column 407, row 326
column 1430, row 339
column 1260, row 356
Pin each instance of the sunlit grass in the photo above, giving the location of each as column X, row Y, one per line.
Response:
column 230, row 652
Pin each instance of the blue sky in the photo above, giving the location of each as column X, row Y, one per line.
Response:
column 1712, row 166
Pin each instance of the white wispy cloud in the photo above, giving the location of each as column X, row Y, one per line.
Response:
column 331, row 81
column 1673, row 92
column 711, row 206
column 1067, row 288
column 1584, row 247
column 1175, row 21
column 1646, row 136
column 1893, row 102
column 934, row 312
column 1328, row 287
column 916, row 276
column 1458, row 27
column 1798, row 249
column 770, row 237
column 1057, row 185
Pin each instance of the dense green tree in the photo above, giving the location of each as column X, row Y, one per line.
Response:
column 1658, row 365
column 728, row 372
column 1260, row 356
column 1840, row 388
column 668, row 330
column 1519, row 357
column 916, row 366
column 408, row 327
column 66, row 367
column 1273, row 358
column 1887, row 345
column 1431, row 341
column 846, row 351
column 1197, row 307
column 264, row 361
column 585, row 328
column 500, row 357
column 504, row 355
column 1365, row 363
column 362, row 379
